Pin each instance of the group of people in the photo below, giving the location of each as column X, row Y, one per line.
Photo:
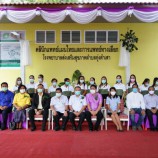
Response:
column 82, row 100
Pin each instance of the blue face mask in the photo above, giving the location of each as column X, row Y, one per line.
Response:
column 118, row 80
column 135, row 90
column 67, row 83
column 103, row 81
column 91, row 82
column 77, row 92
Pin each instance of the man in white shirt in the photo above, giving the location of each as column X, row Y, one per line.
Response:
column 135, row 103
column 41, row 81
column 67, row 89
column 77, row 105
column 59, row 106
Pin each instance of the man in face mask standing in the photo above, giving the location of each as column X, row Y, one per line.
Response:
column 40, row 106
column 151, row 103
column 94, row 104
column 6, row 100
column 136, row 105
column 59, row 106
column 77, row 105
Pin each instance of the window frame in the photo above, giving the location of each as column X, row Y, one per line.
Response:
column 45, row 36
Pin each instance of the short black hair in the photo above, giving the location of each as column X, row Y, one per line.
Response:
column 66, row 79
column 21, row 86
column 32, row 76
column 59, row 89
column 135, row 85
column 4, row 83
column 41, row 75
column 151, row 87
column 77, row 87
column 93, row 85
column 40, row 85
column 54, row 79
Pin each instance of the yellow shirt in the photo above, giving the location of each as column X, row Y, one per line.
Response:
column 21, row 99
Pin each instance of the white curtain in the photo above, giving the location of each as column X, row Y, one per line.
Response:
column 123, row 61
column 25, row 56
column 23, row 16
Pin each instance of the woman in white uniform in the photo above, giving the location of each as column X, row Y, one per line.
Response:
column 131, row 82
column 53, row 87
column 103, row 88
column 91, row 82
column 31, row 86
column 120, row 87
column 155, row 85
column 18, row 83
column 82, row 84
column 144, row 87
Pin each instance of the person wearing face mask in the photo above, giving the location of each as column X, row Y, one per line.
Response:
column 59, row 106
column 67, row 89
column 82, row 84
column 41, row 81
column 6, row 99
column 155, row 85
column 144, row 87
column 135, row 104
column 120, row 87
column 31, row 86
column 151, row 103
column 77, row 105
column 131, row 82
column 113, row 103
column 94, row 104
column 91, row 82
column 53, row 87
column 21, row 102
column 104, row 88
column 40, row 106
column 17, row 84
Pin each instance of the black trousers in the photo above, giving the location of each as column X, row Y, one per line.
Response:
column 150, row 117
column 5, row 116
column 72, row 117
column 45, row 117
column 99, row 118
column 64, row 120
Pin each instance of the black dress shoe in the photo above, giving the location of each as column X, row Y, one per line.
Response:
column 56, row 128
column 33, row 128
column 74, row 128
column 79, row 129
column 2, row 128
column 63, row 128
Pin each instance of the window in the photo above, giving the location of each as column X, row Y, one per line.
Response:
column 101, row 36
column 112, row 36
column 70, row 37
column 45, row 36
column 10, row 48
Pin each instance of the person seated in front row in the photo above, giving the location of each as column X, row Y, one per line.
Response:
column 40, row 106
column 21, row 102
column 151, row 103
column 136, row 105
column 77, row 105
column 67, row 89
column 113, row 103
column 94, row 104
column 6, row 100
column 59, row 106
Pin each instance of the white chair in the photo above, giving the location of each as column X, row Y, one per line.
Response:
column 124, row 116
column 94, row 118
column 38, row 118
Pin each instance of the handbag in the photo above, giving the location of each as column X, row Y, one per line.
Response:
column 12, row 125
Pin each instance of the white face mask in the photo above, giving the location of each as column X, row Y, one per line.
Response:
column 92, row 91
column 58, row 95
column 40, row 79
column 81, row 81
column 91, row 82
column 151, row 92
column 112, row 93
column 18, row 82
column 54, row 83
column 22, row 90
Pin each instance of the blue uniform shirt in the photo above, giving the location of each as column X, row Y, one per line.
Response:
column 6, row 98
